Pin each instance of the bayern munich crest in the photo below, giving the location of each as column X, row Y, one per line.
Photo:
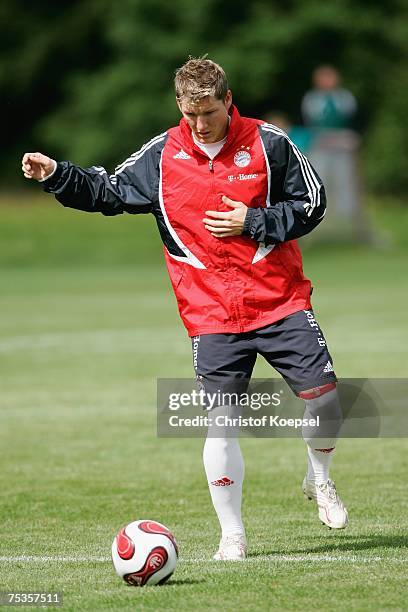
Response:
column 242, row 158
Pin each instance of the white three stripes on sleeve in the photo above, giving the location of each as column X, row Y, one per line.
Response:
column 309, row 177
column 138, row 154
column 132, row 159
column 100, row 169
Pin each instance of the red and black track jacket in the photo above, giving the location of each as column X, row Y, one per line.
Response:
column 222, row 285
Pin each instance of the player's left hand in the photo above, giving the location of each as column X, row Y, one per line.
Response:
column 225, row 224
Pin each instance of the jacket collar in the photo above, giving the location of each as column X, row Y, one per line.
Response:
column 233, row 131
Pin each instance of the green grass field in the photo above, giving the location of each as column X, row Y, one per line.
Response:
column 88, row 322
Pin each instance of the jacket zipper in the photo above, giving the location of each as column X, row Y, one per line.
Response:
column 234, row 301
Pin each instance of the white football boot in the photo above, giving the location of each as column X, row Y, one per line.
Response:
column 232, row 548
column 332, row 511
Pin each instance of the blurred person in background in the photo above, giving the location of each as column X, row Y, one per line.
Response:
column 329, row 110
column 301, row 136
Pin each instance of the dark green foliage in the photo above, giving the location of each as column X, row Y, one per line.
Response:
column 91, row 80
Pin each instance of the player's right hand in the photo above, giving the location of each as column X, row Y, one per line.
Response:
column 37, row 166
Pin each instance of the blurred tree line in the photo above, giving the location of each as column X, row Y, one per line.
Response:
column 91, row 80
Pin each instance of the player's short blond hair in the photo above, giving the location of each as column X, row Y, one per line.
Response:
column 199, row 78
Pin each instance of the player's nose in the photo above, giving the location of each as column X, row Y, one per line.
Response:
column 201, row 124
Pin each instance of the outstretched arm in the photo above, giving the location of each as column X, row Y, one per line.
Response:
column 132, row 188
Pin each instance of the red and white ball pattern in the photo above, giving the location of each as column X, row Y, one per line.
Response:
column 144, row 552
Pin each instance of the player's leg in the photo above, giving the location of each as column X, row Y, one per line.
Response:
column 323, row 401
column 296, row 348
column 224, row 468
column 224, row 363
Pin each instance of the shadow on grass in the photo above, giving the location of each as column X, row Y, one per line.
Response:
column 344, row 543
column 354, row 543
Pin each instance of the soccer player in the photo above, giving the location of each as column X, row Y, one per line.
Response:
column 230, row 196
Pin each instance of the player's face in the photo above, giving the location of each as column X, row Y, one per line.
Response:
column 207, row 118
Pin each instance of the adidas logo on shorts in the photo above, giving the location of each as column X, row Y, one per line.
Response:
column 328, row 367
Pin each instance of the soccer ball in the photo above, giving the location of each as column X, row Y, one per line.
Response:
column 144, row 552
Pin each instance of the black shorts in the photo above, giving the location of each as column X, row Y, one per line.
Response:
column 294, row 346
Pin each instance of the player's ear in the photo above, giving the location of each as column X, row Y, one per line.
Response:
column 228, row 100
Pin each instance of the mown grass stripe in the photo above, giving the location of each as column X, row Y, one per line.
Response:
column 254, row 559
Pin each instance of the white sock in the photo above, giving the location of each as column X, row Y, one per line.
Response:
column 310, row 470
column 320, row 449
column 318, row 464
column 224, row 467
